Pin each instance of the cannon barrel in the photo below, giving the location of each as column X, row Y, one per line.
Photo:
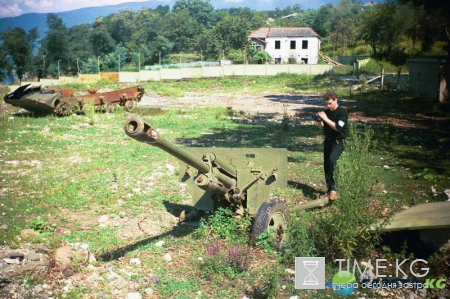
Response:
column 139, row 130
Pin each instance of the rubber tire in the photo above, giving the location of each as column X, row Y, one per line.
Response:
column 272, row 214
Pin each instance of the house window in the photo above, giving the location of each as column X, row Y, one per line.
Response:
column 277, row 45
column 304, row 44
column 292, row 44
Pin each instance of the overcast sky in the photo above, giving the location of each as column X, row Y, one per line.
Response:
column 11, row 8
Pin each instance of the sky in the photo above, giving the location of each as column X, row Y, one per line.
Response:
column 12, row 8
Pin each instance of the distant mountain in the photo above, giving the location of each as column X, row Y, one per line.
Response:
column 89, row 14
column 74, row 17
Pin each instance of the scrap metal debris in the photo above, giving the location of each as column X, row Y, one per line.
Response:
column 62, row 102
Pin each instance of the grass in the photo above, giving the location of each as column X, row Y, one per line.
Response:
column 70, row 172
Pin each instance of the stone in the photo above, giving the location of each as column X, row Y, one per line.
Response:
column 66, row 255
column 4, row 226
column 154, row 279
column 11, row 261
column 103, row 219
column 135, row 261
column 148, row 291
column 62, row 256
column 289, row 271
column 168, row 257
column 422, row 292
column 29, row 235
column 33, row 256
column 159, row 244
column 134, row 295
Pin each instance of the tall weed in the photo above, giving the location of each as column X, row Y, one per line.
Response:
column 300, row 238
column 222, row 225
column 350, row 227
column 353, row 220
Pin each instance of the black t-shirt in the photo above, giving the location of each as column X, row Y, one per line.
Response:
column 340, row 118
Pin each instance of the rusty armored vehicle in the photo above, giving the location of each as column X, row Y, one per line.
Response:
column 63, row 102
column 241, row 179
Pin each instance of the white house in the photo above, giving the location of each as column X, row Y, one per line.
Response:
column 288, row 44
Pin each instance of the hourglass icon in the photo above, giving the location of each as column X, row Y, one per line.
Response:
column 310, row 279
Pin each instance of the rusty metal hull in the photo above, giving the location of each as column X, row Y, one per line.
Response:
column 121, row 96
column 62, row 102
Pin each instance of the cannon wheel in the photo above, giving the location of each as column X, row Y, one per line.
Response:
column 109, row 107
column 272, row 218
column 129, row 105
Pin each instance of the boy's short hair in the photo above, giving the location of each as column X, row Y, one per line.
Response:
column 330, row 95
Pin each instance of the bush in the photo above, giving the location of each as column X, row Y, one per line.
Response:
column 223, row 260
column 300, row 241
column 222, row 225
column 353, row 219
column 349, row 227
column 373, row 67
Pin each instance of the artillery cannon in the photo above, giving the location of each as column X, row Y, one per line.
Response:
column 241, row 179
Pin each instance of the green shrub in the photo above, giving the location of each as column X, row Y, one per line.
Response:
column 223, row 225
column 353, row 220
column 374, row 66
column 269, row 284
column 221, row 259
column 300, row 241
column 42, row 226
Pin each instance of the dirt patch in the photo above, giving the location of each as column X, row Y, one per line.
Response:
column 249, row 103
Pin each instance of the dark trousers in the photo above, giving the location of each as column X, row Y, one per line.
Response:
column 332, row 150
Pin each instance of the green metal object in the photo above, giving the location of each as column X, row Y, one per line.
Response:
column 238, row 178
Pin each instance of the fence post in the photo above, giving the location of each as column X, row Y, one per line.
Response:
column 382, row 78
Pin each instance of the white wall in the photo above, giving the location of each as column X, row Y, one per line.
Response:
column 226, row 70
column 285, row 52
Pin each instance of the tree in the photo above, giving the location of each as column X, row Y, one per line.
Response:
column 230, row 33
column 261, row 56
column 200, row 10
column 436, row 23
column 16, row 50
column 55, row 44
column 378, row 27
column 322, row 22
column 344, row 34
column 181, row 29
column 121, row 26
column 101, row 41
column 79, row 49
column 308, row 17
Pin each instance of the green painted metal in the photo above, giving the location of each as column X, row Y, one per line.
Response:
column 240, row 178
column 432, row 215
column 250, row 164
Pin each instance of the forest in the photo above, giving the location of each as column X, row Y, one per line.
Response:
column 192, row 30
